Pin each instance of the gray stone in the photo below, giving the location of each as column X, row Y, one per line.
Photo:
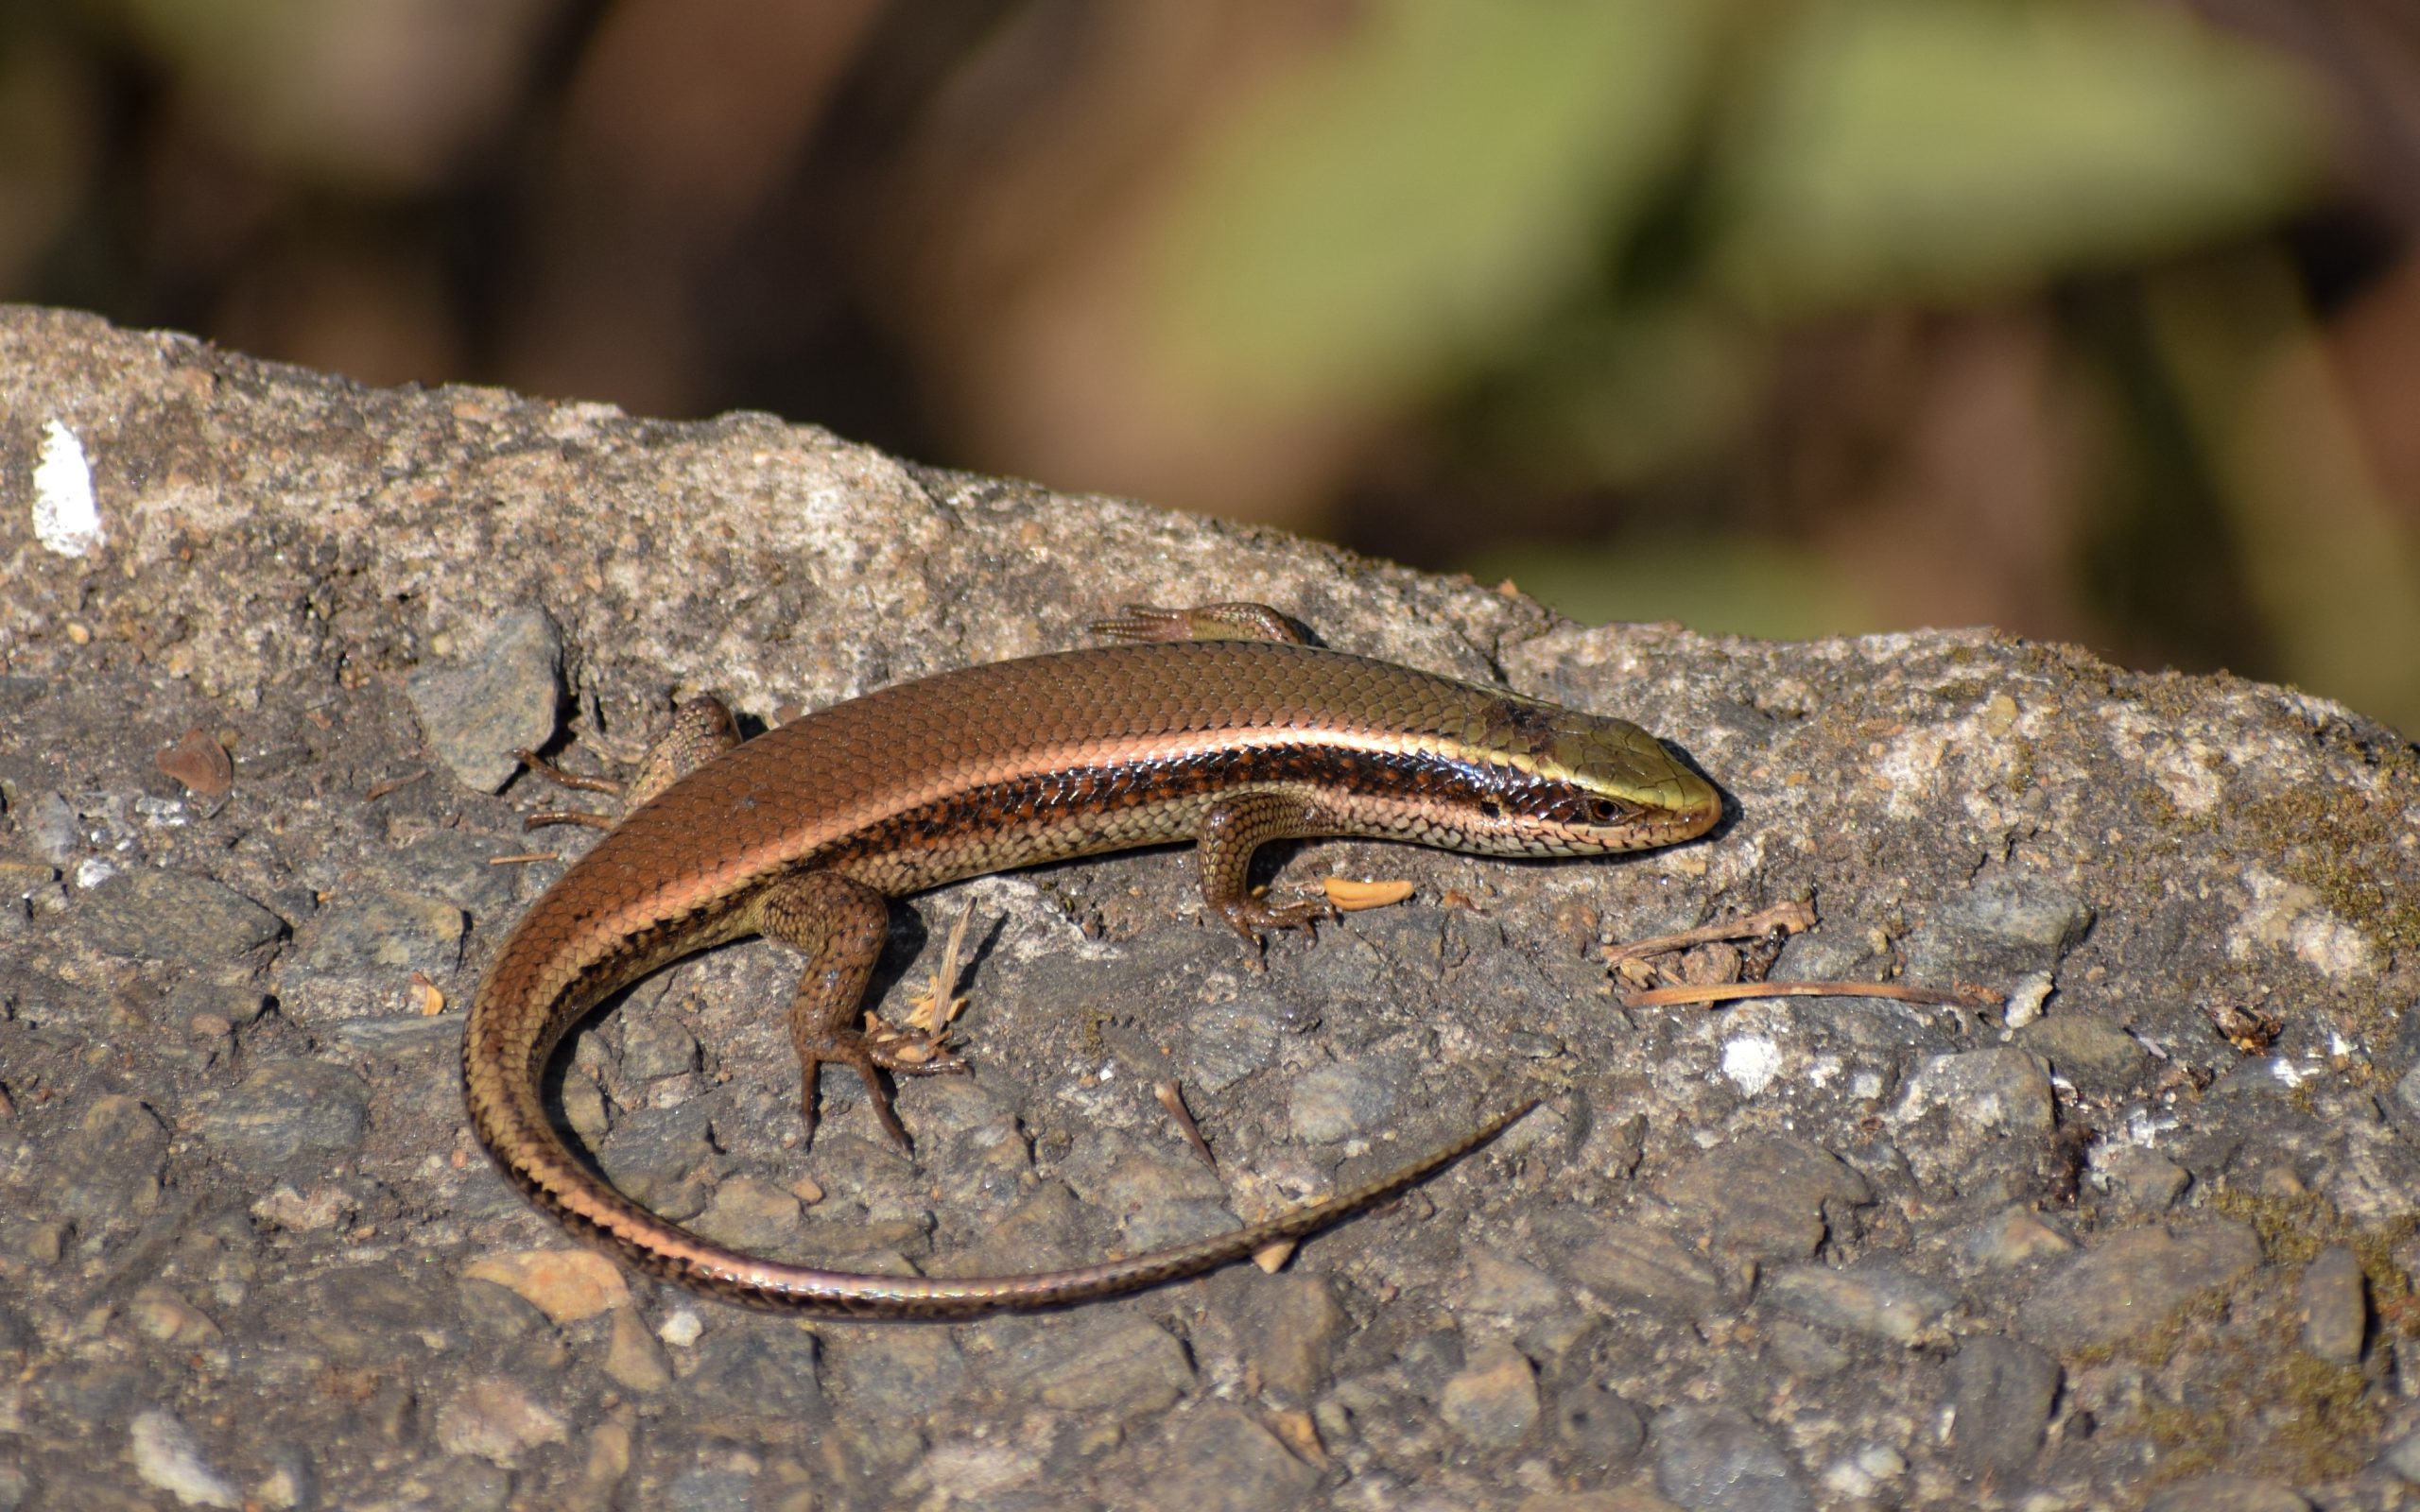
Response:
column 2094, row 1056
column 404, row 1034
column 2133, row 1282
column 1805, row 1353
column 500, row 698
column 111, row 1170
column 1874, row 1299
column 2003, row 1390
column 1492, row 1401
column 2335, row 1306
column 1960, row 1108
column 752, row 1215
column 2144, row 1180
column 654, row 1154
column 1290, row 1329
column 2402, row 1458
column 1600, row 1431
column 1718, row 1459
column 654, row 1045
column 1230, row 1041
column 1765, row 1198
column 368, row 1314
column 455, row 864
column 1102, row 1364
column 384, row 935
column 48, row 822
column 2225, row 1493
column 1338, row 1102
column 1220, row 1460
column 754, row 1369
column 1634, row 1263
column 896, row 1372
column 2005, row 926
column 289, row 1109
column 167, row 916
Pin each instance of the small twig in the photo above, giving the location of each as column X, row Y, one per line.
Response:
column 1959, row 997
column 1786, row 919
column 523, row 859
column 1171, row 1097
column 392, row 784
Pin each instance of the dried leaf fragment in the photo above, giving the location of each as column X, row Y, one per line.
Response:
column 200, row 763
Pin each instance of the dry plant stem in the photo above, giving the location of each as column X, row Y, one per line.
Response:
column 1171, row 1097
column 1786, row 919
column 1962, row 997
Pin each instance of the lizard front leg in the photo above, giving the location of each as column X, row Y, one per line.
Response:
column 1237, row 826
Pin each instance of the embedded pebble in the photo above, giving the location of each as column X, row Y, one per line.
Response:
column 1493, row 1399
column 1765, row 1198
column 655, row 1045
column 1293, row 1324
column 1873, row 1300
column 1100, row 1364
column 565, row 1285
column 2225, row 1493
column 2003, row 1390
column 1231, row 1040
column 896, row 1372
column 1718, row 1459
column 2093, row 1056
column 1222, row 1460
column 2335, row 1306
column 2013, row 1236
column 495, row 1419
column 751, row 1213
column 165, row 1455
column 1597, row 1427
column 1338, row 1102
column 1632, row 1262
column 2146, row 1181
column 383, row 936
column 169, row 916
column 2003, row 927
column 286, row 1110
column 500, row 698
column 111, row 1170
column 633, row 1356
column 2131, row 1281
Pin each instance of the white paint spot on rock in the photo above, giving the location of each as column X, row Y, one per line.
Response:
column 1752, row 1061
column 66, row 519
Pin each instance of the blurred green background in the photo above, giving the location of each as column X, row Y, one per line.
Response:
column 2095, row 319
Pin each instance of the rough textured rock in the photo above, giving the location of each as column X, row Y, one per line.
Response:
column 1813, row 1252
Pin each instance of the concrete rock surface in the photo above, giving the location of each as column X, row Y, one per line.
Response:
column 1867, row 1254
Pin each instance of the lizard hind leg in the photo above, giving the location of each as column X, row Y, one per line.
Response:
column 839, row 925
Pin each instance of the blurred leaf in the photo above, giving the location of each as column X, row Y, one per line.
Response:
column 1951, row 147
column 2333, row 572
column 1404, row 208
column 1617, row 399
column 1720, row 584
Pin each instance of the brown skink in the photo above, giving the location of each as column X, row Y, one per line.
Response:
column 1219, row 729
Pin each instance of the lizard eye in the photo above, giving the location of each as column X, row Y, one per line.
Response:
column 1607, row 810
